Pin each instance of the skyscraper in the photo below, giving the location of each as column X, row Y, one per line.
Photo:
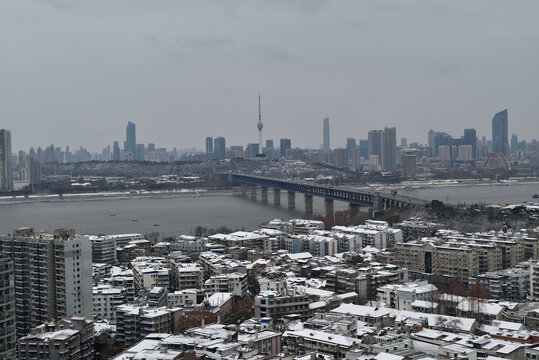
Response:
column 6, row 172
column 470, row 138
column 350, row 146
column 286, row 145
column 53, row 276
column 326, row 144
column 219, row 148
column 131, row 139
column 514, row 143
column 116, row 152
column 389, row 152
column 8, row 340
column 500, row 137
column 376, row 139
column 209, row 144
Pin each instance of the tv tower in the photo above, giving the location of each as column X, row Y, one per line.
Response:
column 259, row 125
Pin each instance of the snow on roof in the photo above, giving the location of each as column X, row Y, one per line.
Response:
column 299, row 256
column 484, row 308
column 388, row 356
column 322, row 336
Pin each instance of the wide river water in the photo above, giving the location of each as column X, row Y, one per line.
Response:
column 177, row 214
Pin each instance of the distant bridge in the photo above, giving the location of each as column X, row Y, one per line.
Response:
column 376, row 199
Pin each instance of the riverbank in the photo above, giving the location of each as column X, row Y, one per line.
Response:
column 116, row 195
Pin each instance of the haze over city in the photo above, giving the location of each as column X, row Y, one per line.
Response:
column 76, row 72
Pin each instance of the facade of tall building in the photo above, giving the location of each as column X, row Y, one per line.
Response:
column 34, row 171
column 53, row 276
column 6, row 171
column 341, row 157
column 364, row 149
column 376, row 140
column 209, row 144
column 219, row 148
column 470, row 138
column 408, row 164
column 131, row 138
column 325, row 130
column 116, row 152
column 8, row 339
column 500, row 137
column 139, row 153
column 389, row 152
column 285, row 146
column 514, row 143
column 350, row 146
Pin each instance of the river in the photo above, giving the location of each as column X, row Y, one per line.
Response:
column 174, row 214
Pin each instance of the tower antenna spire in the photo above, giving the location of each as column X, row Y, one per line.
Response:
column 259, row 126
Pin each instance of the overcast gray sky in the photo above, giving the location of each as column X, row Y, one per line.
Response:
column 75, row 72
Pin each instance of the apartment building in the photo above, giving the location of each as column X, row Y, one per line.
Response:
column 103, row 249
column 70, row 338
column 8, row 338
column 309, row 341
column 53, row 276
column 270, row 304
column 135, row 322
column 401, row 296
column 511, row 284
column 106, row 299
column 185, row 276
column 149, row 272
column 235, row 283
column 449, row 260
column 185, row 298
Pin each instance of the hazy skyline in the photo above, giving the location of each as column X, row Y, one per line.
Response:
column 75, row 72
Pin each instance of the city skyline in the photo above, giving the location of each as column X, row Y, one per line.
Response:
column 208, row 54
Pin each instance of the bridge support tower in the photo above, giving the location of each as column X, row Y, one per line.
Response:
column 276, row 197
column 291, row 199
column 253, row 192
column 330, row 214
column 353, row 209
column 308, row 204
column 243, row 190
column 264, row 192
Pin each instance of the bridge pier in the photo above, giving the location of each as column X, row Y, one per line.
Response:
column 353, row 209
column 291, row 199
column 253, row 192
column 243, row 190
column 264, row 192
column 330, row 214
column 308, row 204
column 276, row 197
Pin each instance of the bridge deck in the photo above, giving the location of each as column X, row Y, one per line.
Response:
column 328, row 192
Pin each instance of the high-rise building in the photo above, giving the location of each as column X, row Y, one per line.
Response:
column 514, row 143
column 219, row 148
column 6, row 171
column 341, row 157
column 8, row 340
column 139, row 153
column 404, row 143
column 268, row 150
column 364, row 149
column 350, row 146
column 500, row 137
column 408, row 164
column 209, row 144
column 376, row 140
column 131, row 139
column 116, row 152
column 389, row 152
column 326, row 145
column 470, row 138
column 251, row 151
column 34, row 172
column 285, row 146
column 53, row 276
